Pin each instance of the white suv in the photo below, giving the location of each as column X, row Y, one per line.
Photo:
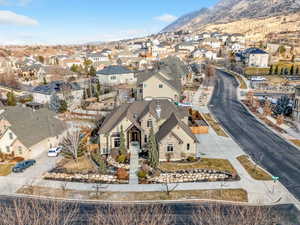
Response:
column 54, row 152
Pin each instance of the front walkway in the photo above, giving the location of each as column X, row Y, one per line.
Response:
column 134, row 165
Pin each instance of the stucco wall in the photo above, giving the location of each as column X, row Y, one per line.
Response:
column 151, row 89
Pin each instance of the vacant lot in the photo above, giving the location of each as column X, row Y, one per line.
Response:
column 204, row 163
column 255, row 171
column 215, row 125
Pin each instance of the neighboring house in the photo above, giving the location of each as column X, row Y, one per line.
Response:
column 70, row 91
column 97, row 58
column 159, row 85
column 28, row 133
column 169, row 123
column 237, row 47
column 254, row 57
column 50, row 73
column 211, row 55
column 186, row 46
column 237, row 38
column 70, row 62
column 198, row 53
column 212, row 42
column 165, row 81
column 115, row 75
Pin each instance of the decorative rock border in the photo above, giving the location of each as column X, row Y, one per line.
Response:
column 85, row 178
column 195, row 175
column 112, row 162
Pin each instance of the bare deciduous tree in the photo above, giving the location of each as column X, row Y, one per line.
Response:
column 241, row 215
column 36, row 212
column 133, row 215
column 73, row 145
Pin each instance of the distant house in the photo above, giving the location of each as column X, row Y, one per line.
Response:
column 237, row 38
column 115, row 75
column 27, row 133
column 51, row 73
column 212, row 42
column 164, row 82
column 169, row 123
column 42, row 94
column 237, row 47
column 186, row 46
column 255, row 57
column 97, row 58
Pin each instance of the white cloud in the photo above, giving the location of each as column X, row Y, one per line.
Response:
column 167, row 18
column 11, row 18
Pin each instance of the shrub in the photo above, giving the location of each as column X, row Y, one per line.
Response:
column 122, row 174
column 191, row 159
column 121, row 159
column 142, row 174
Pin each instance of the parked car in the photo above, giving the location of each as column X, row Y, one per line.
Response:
column 21, row 166
column 54, row 152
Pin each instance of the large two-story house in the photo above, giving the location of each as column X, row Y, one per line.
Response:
column 169, row 122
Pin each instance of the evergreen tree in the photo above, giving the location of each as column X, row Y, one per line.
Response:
column 74, row 68
column 292, row 70
column 98, row 88
column 271, row 70
column 281, row 71
column 11, row 99
column 92, row 72
column 276, row 70
column 44, row 80
column 297, row 71
column 63, row 106
column 54, row 104
column 123, row 149
column 97, row 96
column 153, row 150
column 84, row 95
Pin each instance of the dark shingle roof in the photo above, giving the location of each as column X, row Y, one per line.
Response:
column 254, row 51
column 114, row 70
column 33, row 127
column 54, row 87
column 136, row 110
column 168, row 126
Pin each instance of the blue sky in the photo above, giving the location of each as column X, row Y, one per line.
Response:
column 80, row 21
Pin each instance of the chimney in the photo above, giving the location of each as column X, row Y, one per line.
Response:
column 158, row 109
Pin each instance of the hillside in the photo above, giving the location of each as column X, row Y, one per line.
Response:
column 226, row 11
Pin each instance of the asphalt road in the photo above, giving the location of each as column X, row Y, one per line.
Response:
column 270, row 151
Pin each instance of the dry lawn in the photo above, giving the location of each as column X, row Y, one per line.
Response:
column 296, row 142
column 215, row 125
column 254, row 171
column 5, row 169
column 84, row 164
column 204, row 163
column 236, row 195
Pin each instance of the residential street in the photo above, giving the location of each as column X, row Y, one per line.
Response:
column 279, row 157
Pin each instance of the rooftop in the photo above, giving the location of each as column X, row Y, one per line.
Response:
column 114, row 70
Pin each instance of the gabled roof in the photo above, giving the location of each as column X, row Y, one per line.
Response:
column 168, row 126
column 137, row 110
column 31, row 127
column 114, row 70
